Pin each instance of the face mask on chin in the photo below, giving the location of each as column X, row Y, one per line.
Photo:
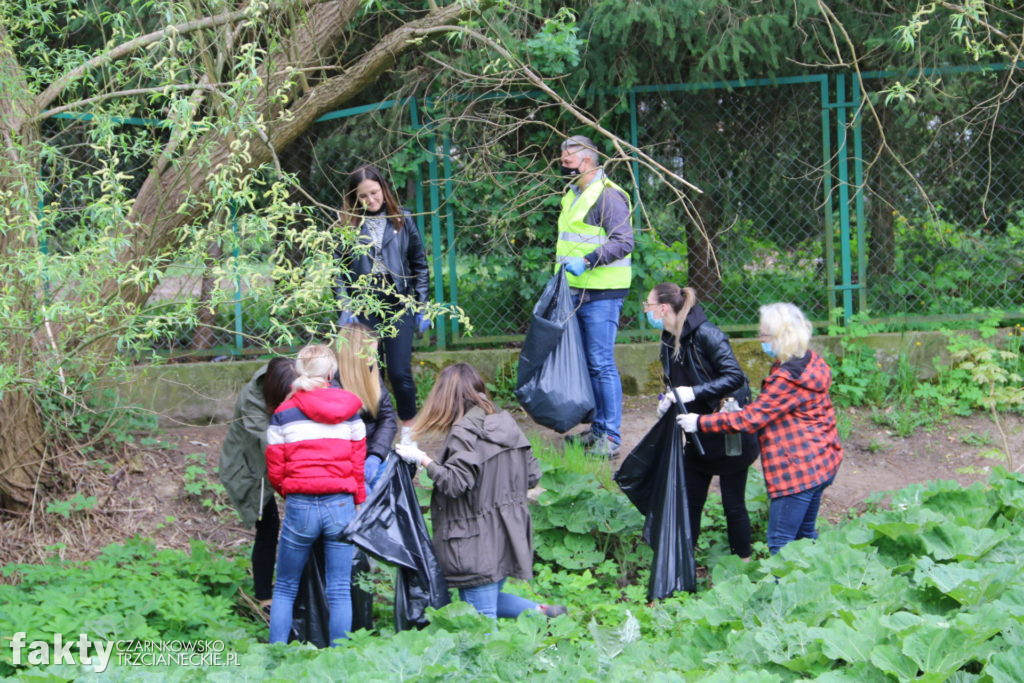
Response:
column 569, row 172
column 768, row 350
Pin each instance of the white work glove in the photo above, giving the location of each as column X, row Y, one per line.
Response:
column 664, row 404
column 410, row 453
column 688, row 421
column 685, row 393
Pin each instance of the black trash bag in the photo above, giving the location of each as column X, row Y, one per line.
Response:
column 311, row 615
column 653, row 478
column 390, row 527
column 362, row 601
column 553, row 382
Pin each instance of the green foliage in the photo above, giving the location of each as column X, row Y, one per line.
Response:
column 982, row 371
column 76, row 503
column 556, row 47
column 503, row 388
column 945, row 267
column 203, row 485
column 130, row 591
column 927, row 588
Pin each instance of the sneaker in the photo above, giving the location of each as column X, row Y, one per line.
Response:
column 585, row 439
column 604, row 447
column 552, row 611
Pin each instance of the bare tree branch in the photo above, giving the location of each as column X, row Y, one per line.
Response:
column 53, row 91
column 209, row 87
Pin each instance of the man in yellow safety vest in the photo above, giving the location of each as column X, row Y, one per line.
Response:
column 595, row 239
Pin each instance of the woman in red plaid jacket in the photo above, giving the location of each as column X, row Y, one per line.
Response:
column 800, row 450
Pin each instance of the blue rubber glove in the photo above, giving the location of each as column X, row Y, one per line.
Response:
column 346, row 317
column 371, row 469
column 575, row 265
column 423, row 324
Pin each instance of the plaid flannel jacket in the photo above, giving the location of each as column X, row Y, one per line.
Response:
column 799, row 444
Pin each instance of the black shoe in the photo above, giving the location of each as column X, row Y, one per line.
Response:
column 584, row 439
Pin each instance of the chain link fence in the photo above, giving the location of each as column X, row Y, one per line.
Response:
column 810, row 193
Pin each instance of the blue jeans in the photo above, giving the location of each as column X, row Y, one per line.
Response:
column 599, row 323
column 306, row 518
column 491, row 602
column 792, row 517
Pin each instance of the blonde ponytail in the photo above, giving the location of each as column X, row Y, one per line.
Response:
column 315, row 365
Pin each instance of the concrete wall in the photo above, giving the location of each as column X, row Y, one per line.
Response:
column 200, row 393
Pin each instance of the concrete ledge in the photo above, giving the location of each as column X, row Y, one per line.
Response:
column 201, row 393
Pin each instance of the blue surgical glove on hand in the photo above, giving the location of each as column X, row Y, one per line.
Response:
column 575, row 265
column 346, row 317
column 423, row 324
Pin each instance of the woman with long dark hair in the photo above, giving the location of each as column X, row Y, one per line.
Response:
column 394, row 266
column 702, row 370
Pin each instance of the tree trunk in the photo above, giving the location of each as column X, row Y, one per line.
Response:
column 159, row 211
column 22, row 449
column 700, row 244
column 22, row 444
column 707, row 138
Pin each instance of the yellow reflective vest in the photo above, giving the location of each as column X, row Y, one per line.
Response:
column 578, row 238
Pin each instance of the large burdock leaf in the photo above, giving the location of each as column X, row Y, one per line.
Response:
column 961, row 543
column 854, row 641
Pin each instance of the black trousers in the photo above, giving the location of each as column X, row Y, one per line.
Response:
column 734, row 490
column 396, row 358
column 264, row 551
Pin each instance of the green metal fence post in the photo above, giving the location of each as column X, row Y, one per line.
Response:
column 844, row 199
column 826, row 184
column 435, row 234
column 449, row 218
column 858, row 195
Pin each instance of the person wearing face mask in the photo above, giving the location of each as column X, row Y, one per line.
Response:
column 800, row 449
column 595, row 240
column 701, row 369
column 394, row 264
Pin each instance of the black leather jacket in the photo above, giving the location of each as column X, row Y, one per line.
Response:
column 707, row 364
column 402, row 254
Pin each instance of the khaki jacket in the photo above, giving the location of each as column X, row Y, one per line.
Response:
column 242, row 467
column 482, row 527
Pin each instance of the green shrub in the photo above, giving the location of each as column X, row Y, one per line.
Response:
column 130, row 591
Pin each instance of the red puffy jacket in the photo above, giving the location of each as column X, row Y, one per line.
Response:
column 799, row 442
column 316, row 444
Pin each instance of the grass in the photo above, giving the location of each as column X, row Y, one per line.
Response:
column 572, row 458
